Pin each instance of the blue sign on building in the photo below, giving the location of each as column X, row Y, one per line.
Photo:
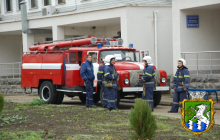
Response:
column 192, row 21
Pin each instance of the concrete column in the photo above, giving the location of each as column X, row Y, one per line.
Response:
column 176, row 36
column 58, row 32
column 28, row 40
column 124, row 30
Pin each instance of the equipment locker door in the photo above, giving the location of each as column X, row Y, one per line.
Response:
column 72, row 68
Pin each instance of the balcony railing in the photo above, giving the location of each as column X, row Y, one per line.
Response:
column 10, row 70
column 204, row 62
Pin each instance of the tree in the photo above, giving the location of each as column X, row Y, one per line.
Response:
column 142, row 121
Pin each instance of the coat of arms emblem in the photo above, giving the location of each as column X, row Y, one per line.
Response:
column 197, row 115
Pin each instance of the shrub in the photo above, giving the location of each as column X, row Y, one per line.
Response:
column 35, row 101
column 142, row 121
column 1, row 102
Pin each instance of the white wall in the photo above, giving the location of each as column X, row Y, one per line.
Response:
column 11, row 48
column 140, row 32
column 204, row 38
column 201, row 38
column 41, row 37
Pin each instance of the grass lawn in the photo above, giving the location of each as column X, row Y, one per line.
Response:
column 28, row 122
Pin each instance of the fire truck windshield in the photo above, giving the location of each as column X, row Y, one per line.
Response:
column 121, row 55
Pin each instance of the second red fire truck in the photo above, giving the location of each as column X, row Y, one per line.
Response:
column 54, row 69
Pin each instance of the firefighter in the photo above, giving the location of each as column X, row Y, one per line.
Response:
column 111, row 76
column 88, row 76
column 180, row 85
column 148, row 82
column 101, row 80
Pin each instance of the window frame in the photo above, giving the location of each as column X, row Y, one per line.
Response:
column 18, row 5
column 6, row 7
column 97, row 55
column 44, row 3
column 30, row 5
column 62, row 3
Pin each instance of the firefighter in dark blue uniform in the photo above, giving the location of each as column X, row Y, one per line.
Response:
column 180, row 85
column 88, row 76
column 110, row 74
column 148, row 80
column 101, row 80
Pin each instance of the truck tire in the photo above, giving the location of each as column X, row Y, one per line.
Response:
column 157, row 98
column 48, row 92
column 83, row 98
column 60, row 96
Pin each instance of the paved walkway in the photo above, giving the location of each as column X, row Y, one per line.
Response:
column 161, row 109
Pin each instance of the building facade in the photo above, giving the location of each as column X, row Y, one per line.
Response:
column 200, row 43
column 135, row 19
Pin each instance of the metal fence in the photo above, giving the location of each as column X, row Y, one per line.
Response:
column 10, row 70
column 204, row 62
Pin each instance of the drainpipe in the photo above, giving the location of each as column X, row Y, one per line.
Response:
column 155, row 38
column 24, row 22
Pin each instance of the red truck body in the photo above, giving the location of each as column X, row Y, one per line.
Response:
column 45, row 65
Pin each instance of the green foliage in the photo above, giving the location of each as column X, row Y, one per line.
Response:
column 24, row 135
column 7, row 101
column 35, row 102
column 1, row 102
column 142, row 121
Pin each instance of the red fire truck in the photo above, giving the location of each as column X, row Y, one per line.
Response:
column 54, row 69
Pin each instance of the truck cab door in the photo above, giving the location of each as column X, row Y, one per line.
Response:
column 72, row 68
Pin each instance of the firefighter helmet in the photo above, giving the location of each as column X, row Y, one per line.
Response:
column 183, row 61
column 108, row 59
column 148, row 59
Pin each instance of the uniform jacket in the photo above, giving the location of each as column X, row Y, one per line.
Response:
column 178, row 82
column 100, row 74
column 87, row 71
column 148, row 76
column 109, row 75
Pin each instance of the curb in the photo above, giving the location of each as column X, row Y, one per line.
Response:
column 165, row 103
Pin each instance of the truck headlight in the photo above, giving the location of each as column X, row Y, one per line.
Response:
column 163, row 80
column 126, row 81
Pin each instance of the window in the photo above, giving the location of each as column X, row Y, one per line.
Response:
column 19, row 5
column 8, row 5
column 72, row 57
column 33, row 4
column 94, row 56
column 61, row 1
column 121, row 55
column 47, row 2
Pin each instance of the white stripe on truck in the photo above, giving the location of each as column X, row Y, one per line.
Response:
column 31, row 65
column 51, row 66
column 41, row 65
column 72, row 67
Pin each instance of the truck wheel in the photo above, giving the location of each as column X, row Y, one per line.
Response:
column 83, row 98
column 60, row 96
column 48, row 92
column 157, row 98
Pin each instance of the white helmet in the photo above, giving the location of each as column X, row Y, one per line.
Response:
column 148, row 59
column 183, row 61
column 108, row 59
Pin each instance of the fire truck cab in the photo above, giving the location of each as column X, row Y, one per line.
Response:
column 54, row 69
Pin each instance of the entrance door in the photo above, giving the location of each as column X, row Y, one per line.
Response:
column 72, row 68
